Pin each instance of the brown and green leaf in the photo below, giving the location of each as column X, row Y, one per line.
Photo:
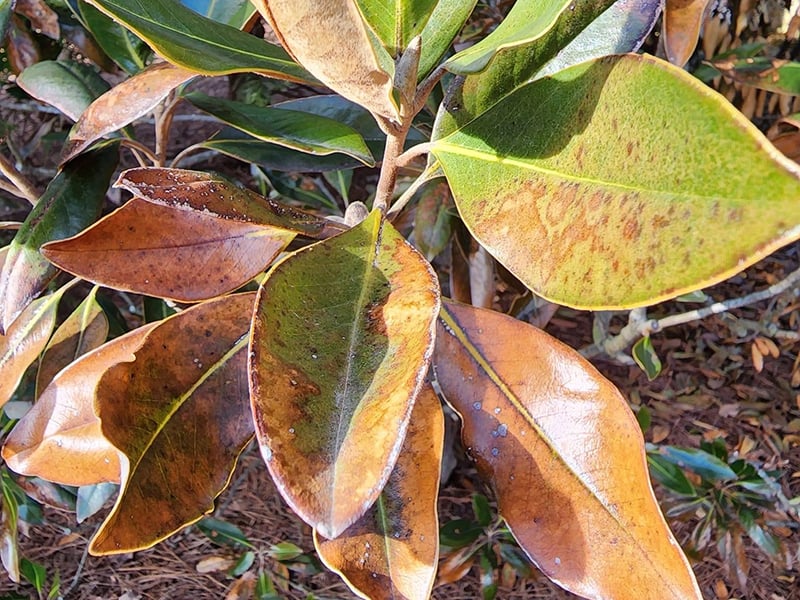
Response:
column 564, row 454
column 341, row 341
column 183, row 254
column 179, row 415
column 598, row 202
column 391, row 552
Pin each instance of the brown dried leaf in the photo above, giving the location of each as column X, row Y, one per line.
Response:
column 757, row 357
column 682, row 21
column 43, row 18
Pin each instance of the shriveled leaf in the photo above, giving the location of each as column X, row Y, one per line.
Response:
column 391, row 552
column 342, row 336
column 25, row 340
column 72, row 200
column 230, row 12
column 194, row 42
column 773, row 74
column 577, row 211
column 60, row 438
column 69, row 86
column 123, row 47
column 123, row 104
column 172, row 253
column 396, row 22
column 527, row 21
column 84, row 330
column 682, row 22
column 216, row 197
column 291, row 129
column 623, row 27
column 330, row 39
column 446, row 20
column 564, row 454
column 179, row 415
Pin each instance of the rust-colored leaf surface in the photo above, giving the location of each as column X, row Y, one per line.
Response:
column 217, row 197
column 391, row 552
column 123, row 104
column 43, row 19
column 180, row 416
column 183, row 255
column 565, row 455
column 330, row 39
column 24, row 340
column 342, row 337
column 84, row 330
column 60, row 439
column 681, row 25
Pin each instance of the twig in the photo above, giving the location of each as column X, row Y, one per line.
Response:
column 406, row 196
column 77, row 577
column 26, row 189
column 163, row 123
column 426, row 87
column 11, row 189
column 637, row 328
column 414, row 152
column 138, row 147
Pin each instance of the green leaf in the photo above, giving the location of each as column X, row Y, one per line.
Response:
column 91, row 498
column 645, row 356
column 396, row 22
column 194, row 42
column 601, row 202
column 243, row 564
column 444, row 23
column 482, row 510
column 34, row 572
column 222, row 532
column 285, row 551
column 5, row 16
column 342, row 337
column 704, row 464
column 122, row 46
column 72, row 200
column 459, row 533
column 773, row 74
column 235, row 13
column 68, row 85
column 669, row 475
column 527, row 21
column 9, row 551
column 292, row 129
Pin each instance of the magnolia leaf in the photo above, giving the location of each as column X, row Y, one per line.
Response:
column 578, row 213
column 341, row 341
column 622, row 27
column 122, row 46
column 564, row 454
column 527, row 21
column 25, row 340
column 433, row 219
column 682, row 22
column 216, row 197
column 331, row 40
column 68, row 85
column 235, row 13
column 773, row 74
column 60, row 439
column 172, row 253
column 84, row 330
column 444, row 23
column 133, row 98
column 179, row 415
column 43, row 19
column 92, row 498
column 396, row 22
column 291, row 129
column 391, row 552
column 72, row 200
column 199, row 44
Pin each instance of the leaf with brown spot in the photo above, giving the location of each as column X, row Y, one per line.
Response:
column 60, row 439
column 179, row 414
column 124, row 103
column 42, row 18
column 681, row 28
column 773, row 74
column 331, row 40
column 173, row 253
column 218, row 197
column 84, row 330
column 597, row 202
column 25, row 340
column 341, row 341
column 391, row 552
column 564, row 454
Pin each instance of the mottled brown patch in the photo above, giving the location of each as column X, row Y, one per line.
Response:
column 659, row 222
column 632, row 229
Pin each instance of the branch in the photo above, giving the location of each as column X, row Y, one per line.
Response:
column 637, row 328
column 26, row 189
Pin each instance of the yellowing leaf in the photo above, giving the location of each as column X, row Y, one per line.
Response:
column 184, row 255
column 595, row 201
column 329, row 38
column 60, row 439
column 564, row 454
column 341, row 341
column 179, row 415
column 682, row 21
column 391, row 552
column 124, row 103
column 84, row 330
